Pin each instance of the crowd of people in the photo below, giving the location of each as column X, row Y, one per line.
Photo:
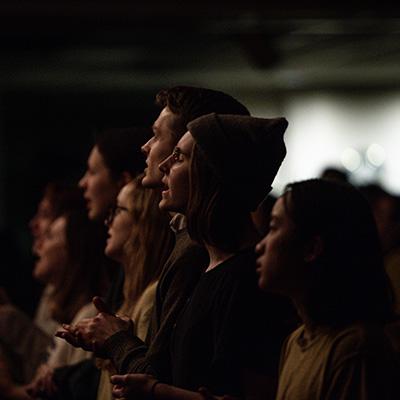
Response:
column 171, row 273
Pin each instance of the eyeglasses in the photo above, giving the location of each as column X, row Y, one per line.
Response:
column 114, row 211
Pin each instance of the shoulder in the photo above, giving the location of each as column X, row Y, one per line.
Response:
column 147, row 298
column 359, row 337
column 186, row 247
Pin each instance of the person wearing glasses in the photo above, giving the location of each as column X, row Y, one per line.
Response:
column 228, row 336
column 139, row 238
column 114, row 160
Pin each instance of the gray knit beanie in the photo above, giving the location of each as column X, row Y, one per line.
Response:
column 244, row 152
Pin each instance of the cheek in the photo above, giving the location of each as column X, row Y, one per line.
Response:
column 120, row 233
column 103, row 191
column 52, row 260
column 159, row 152
column 273, row 259
column 179, row 184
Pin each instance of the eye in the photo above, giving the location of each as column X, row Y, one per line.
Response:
column 177, row 155
column 272, row 227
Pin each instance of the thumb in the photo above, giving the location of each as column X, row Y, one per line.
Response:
column 101, row 306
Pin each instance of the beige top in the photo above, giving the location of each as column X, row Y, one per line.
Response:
column 141, row 318
column 26, row 342
column 43, row 318
column 65, row 354
column 356, row 362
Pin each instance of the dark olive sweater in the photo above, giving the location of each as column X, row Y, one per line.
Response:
column 179, row 277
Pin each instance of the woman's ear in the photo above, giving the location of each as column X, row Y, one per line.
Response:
column 313, row 249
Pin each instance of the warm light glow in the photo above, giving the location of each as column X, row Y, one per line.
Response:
column 376, row 155
column 351, row 159
column 359, row 134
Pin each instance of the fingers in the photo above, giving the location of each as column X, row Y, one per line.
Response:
column 121, row 385
column 75, row 338
column 101, row 306
column 119, row 392
column 120, row 380
column 49, row 385
column 69, row 337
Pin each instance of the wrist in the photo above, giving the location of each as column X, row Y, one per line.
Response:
column 152, row 391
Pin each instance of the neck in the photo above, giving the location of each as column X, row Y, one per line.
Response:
column 309, row 324
column 217, row 255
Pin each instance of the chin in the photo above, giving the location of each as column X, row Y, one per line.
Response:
column 163, row 205
column 39, row 275
column 151, row 183
column 261, row 283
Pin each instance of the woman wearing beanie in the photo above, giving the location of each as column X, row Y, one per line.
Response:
column 230, row 333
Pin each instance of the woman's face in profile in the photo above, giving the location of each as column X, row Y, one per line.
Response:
column 100, row 190
column 175, row 194
column 53, row 254
column 120, row 226
column 40, row 223
column 280, row 254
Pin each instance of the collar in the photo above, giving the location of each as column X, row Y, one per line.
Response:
column 178, row 223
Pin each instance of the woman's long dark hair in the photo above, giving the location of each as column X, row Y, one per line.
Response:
column 85, row 275
column 216, row 214
column 349, row 280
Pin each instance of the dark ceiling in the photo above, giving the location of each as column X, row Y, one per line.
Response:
column 239, row 46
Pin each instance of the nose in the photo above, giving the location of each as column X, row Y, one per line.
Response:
column 82, row 182
column 165, row 165
column 146, row 147
column 260, row 247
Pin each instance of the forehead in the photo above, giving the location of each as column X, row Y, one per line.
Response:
column 126, row 192
column 95, row 157
column 167, row 123
column 280, row 213
column 279, row 206
column 186, row 143
column 279, row 209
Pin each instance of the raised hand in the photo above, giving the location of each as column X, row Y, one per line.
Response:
column 91, row 333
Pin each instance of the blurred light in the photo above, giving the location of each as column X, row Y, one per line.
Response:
column 351, row 159
column 376, row 155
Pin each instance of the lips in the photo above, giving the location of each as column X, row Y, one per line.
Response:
column 88, row 201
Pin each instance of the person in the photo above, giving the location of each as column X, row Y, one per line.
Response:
column 182, row 270
column 71, row 261
column 22, row 354
column 114, row 160
column 139, row 239
column 323, row 252
column 335, row 174
column 228, row 336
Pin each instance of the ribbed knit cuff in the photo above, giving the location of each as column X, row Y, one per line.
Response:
column 118, row 344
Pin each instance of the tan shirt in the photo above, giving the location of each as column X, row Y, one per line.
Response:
column 65, row 354
column 352, row 363
column 141, row 318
